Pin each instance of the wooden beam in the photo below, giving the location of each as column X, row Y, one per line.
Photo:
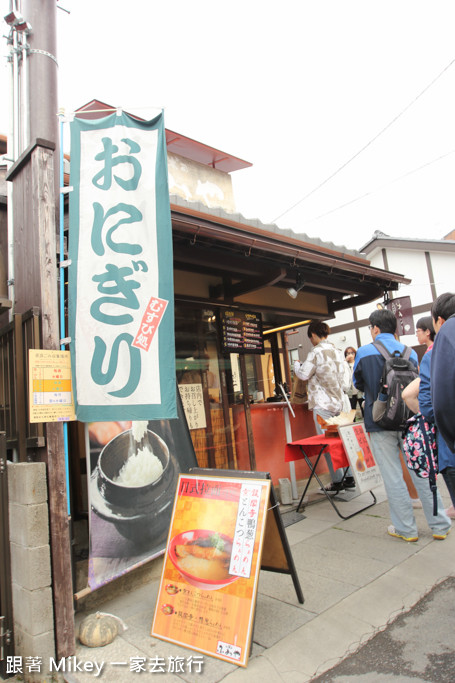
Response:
column 229, row 291
column 218, row 261
column 352, row 301
column 44, row 214
column 21, row 394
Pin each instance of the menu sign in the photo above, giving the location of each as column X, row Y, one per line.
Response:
column 358, row 451
column 241, row 332
column 207, row 595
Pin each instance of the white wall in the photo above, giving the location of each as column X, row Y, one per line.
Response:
column 413, row 265
column 196, row 182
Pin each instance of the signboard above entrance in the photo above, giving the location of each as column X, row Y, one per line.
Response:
column 241, row 332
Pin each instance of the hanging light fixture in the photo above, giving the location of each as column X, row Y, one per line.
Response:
column 299, row 284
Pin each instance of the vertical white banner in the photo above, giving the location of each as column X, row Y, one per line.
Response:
column 121, row 274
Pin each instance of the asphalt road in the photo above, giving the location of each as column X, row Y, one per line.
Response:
column 417, row 646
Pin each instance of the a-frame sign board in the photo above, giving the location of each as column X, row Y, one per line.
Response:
column 225, row 527
column 276, row 552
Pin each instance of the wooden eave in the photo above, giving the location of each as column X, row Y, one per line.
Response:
column 408, row 244
column 175, row 142
column 247, row 258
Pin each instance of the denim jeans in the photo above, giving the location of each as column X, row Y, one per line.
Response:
column 386, row 449
column 336, row 475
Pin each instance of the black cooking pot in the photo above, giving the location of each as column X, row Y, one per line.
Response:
column 140, row 513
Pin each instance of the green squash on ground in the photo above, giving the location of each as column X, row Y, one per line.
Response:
column 98, row 630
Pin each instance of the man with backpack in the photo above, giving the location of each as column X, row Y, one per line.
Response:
column 386, row 441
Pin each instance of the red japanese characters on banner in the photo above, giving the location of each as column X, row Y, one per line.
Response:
column 149, row 323
column 245, row 531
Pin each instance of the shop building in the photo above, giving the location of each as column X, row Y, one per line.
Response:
column 225, row 267
column 426, row 263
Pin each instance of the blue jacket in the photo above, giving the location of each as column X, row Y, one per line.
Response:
column 443, row 382
column 445, row 457
column 368, row 367
column 425, row 405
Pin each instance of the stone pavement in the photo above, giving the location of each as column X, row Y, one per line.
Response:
column 417, row 646
column 355, row 579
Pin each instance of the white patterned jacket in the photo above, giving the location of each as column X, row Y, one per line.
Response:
column 324, row 370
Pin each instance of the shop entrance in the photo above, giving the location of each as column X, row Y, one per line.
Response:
column 222, row 389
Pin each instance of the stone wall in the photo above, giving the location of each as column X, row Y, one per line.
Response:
column 30, row 561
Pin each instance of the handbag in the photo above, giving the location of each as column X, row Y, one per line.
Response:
column 299, row 391
column 421, row 451
column 346, row 404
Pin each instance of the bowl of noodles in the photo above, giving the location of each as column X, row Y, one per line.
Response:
column 202, row 557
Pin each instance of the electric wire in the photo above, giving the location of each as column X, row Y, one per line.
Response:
column 368, row 144
column 378, row 189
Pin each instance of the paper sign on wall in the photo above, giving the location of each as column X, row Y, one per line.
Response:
column 50, row 388
column 193, row 405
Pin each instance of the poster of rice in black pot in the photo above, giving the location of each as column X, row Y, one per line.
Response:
column 134, row 469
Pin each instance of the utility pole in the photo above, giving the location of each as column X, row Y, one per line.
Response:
column 35, row 202
column 42, row 73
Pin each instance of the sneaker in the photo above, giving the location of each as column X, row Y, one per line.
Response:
column 450, row 512
column 349, row 483
column 441, row 537
column 410, row 539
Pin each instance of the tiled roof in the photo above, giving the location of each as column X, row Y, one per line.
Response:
column 258, row 224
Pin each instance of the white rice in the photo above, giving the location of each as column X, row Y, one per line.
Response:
column 140, row 469
column 139, row 430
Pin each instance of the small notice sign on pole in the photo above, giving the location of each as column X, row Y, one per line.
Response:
column 50, row 386
column 207, row 595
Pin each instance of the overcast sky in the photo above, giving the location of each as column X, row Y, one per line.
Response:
column 297, row 88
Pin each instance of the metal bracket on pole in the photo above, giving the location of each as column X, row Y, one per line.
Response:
column 43, row 52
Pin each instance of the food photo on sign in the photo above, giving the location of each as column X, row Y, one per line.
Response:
column 207, row 595
column 134, row 468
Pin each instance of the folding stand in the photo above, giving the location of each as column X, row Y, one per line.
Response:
column 339, row 461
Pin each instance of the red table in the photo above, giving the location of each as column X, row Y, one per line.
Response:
column 313, row 445
column 319, row 445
